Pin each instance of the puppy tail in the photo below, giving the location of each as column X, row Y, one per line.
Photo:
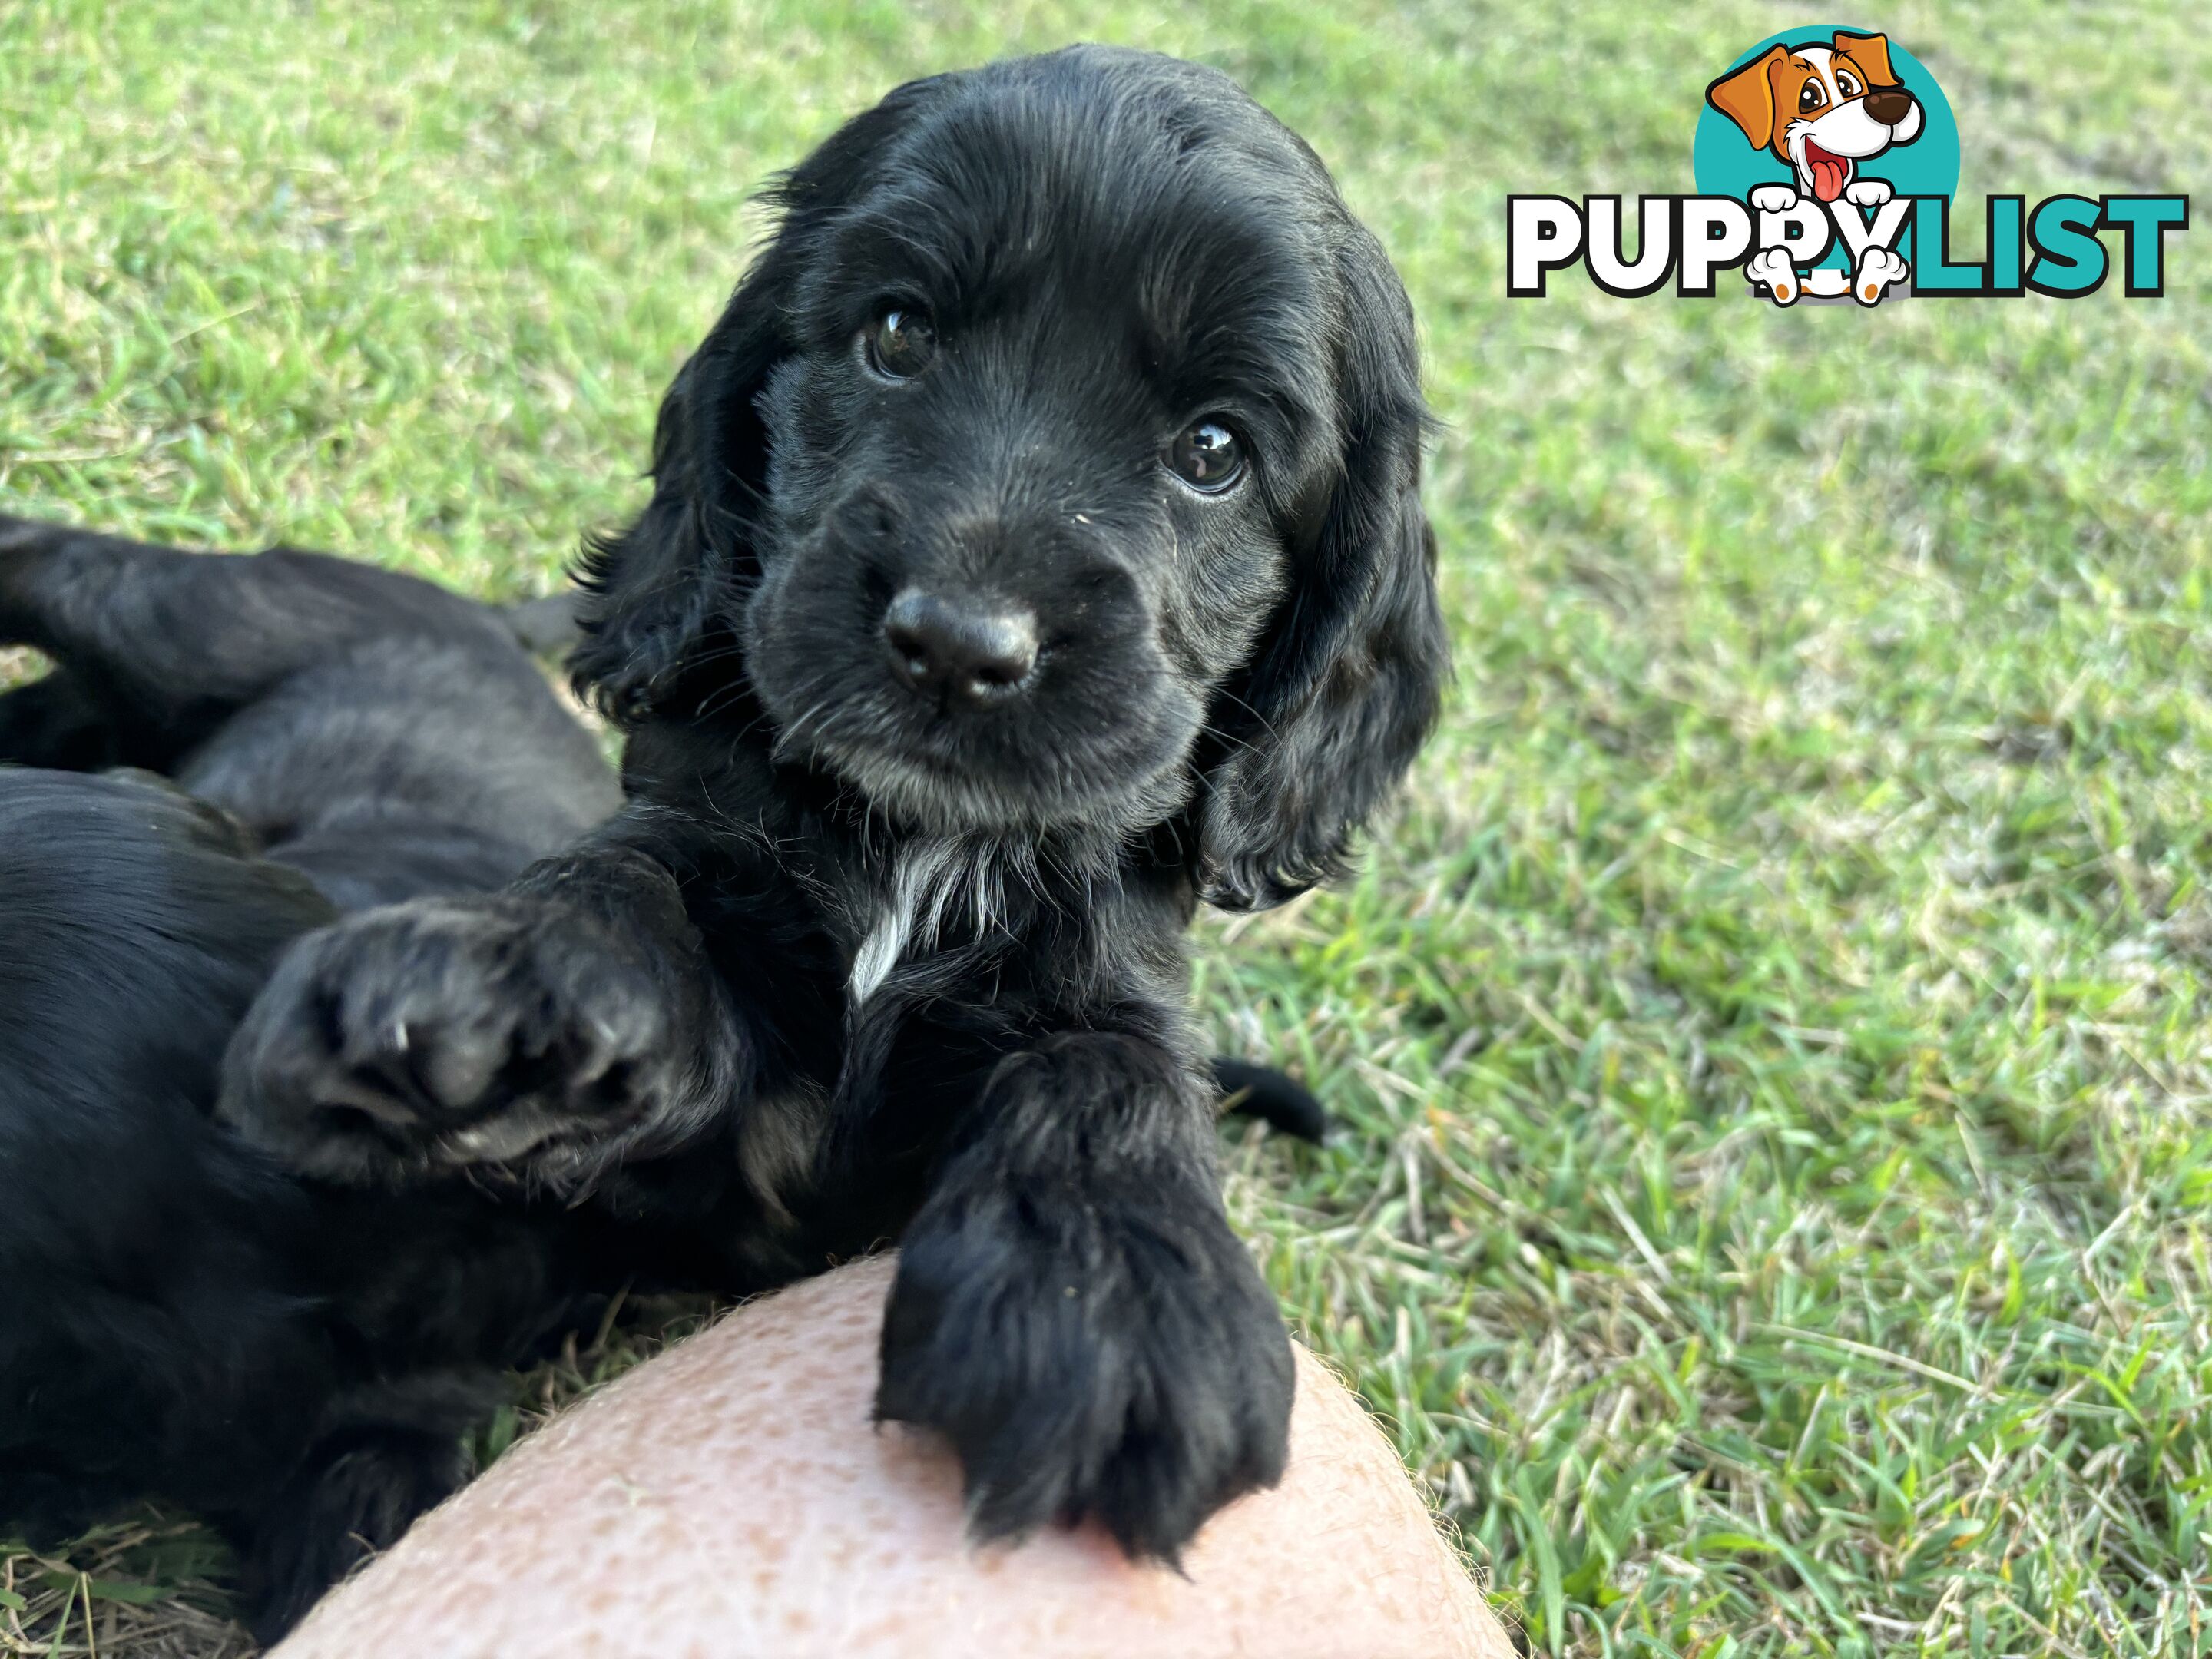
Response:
column 1278, row 1100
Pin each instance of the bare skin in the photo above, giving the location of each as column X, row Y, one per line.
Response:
column 731, row 1498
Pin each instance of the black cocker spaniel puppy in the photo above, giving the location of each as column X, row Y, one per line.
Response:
column 1035, row 550
column 182, row 1316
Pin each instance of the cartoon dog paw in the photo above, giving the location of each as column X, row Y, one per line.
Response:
column 1772, row 267
column 1773, row 199
column 1868, row 192
column 1878, row 269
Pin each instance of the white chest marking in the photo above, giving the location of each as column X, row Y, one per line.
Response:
column 926, row 875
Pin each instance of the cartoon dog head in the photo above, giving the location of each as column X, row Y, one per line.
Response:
column 1821, row 108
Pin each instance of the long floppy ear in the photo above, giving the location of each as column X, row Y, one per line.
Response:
column 1346, row 683
column 651, row 592
column 1871, row 53
column 655, row 594
column 1745, row 96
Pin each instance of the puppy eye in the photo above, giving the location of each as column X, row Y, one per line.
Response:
column 1811, row 97
column 1205, row 455
column 1846, row 85
column 900, row 342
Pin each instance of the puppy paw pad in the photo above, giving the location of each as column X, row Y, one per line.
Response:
column 1771, row 268
column 1878, row 268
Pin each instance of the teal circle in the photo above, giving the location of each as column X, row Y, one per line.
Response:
column 1724, row 162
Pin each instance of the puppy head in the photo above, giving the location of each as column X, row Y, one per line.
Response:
column 1821, row 108
column 1055, row 467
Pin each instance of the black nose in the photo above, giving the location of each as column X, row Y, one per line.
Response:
column 1889, row 105
column 964, row 654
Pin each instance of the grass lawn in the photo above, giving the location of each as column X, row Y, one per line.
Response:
column 1775, row 1037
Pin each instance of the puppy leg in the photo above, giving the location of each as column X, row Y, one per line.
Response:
column 57, row 722
column 164, row 644
column 1074, row 1313
column 388, row 1453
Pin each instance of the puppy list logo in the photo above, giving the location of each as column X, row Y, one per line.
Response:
column 1827, row 160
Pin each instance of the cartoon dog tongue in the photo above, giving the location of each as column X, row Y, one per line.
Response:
column 1830, row 171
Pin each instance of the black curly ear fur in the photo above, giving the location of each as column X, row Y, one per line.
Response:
column 1346, row 683
column 656, row 595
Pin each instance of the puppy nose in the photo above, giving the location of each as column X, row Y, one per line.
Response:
column 1889, row 105
column 965, row 653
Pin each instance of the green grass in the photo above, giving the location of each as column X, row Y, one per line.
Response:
column 1775, row 1037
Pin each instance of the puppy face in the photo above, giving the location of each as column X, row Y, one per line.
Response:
column 1061, row 388
column 1821, row 108
column 1056, row 467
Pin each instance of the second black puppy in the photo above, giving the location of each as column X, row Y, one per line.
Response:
column 181, row 1317
column 1035, row 550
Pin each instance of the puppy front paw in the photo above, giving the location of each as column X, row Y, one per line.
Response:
column 1868, row 192
column 1120, row 1362
column 441, row 1033
column 1773, row 199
